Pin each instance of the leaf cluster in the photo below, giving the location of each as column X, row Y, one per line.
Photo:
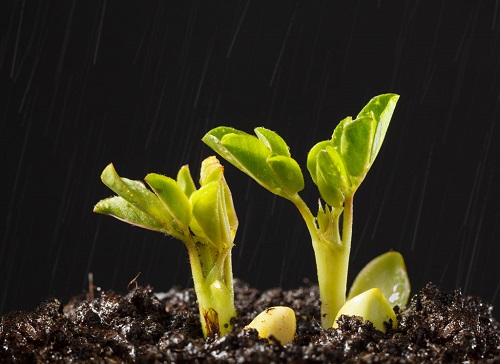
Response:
column 175, row 206
column 339, row 165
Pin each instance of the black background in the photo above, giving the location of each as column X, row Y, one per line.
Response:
column 85, row 83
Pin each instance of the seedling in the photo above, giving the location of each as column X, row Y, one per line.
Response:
column 204, row 219
column 337, row 166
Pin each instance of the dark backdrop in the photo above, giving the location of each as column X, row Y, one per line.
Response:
column 138, row 83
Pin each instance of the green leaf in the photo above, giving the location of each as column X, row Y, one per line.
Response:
column 331, row 177
column 210, row 216
column 312, row 158
column 172, row 196
column 204, row 204
column 185, row 180
column 333, row 196
column 273, row 141
column 228, row 209
column 214, row 140
column 356, row 145
column 337, row 133
column 121, row 209
column 381, row 108
column 137, row 194
column 211, row 171
column 250, row 156
column 287, row 172
column 372, row 306
column 387, row 272
column 331, row 167
column 214, row 215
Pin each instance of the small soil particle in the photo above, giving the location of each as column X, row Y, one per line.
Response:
column 142, row 327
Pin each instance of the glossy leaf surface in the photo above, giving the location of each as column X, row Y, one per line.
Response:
column 172, row 196
column 388, row 273
column 251, row 155
column 213, row 210
column 214, row 140
column 121, row 209
column 381, row 108
column 185, row 180
column 356, row 144
column 135, row 193
column 287, row 172
column 312, row 158
column 344, row 160
column 205, row 206
column 273, row 141
column 331, row 166
column 265, row 157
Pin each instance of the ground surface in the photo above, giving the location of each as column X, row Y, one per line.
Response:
column 140, row 328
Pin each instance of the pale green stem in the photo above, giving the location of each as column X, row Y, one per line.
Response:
column 214, row 291
column 306, row 215
column 347, row 218
column 332, row 259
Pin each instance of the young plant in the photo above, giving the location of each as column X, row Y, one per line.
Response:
column 204, row 219
column 337, row 166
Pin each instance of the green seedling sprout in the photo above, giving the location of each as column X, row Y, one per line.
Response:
column 204, row 219
column 337, row 167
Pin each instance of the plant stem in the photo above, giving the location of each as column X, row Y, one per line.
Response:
column 214, row 289
column 308, row 217
column 332, row 258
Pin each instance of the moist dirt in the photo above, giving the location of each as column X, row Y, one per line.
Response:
column 144, row 327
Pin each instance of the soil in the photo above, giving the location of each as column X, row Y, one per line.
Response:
column 143, row 327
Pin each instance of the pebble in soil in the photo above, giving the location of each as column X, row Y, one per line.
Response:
column 436, row 326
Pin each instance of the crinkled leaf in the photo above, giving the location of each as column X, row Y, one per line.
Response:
column 312, row 158
column 356, row 145
column 287, row 172
column 273, row 141
column 136, row 193
column 381, row 108
column 387, row 272
column 185, row 180
column 172, row 196
column 121, row 209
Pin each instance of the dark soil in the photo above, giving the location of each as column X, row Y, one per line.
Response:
column 436, row 327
